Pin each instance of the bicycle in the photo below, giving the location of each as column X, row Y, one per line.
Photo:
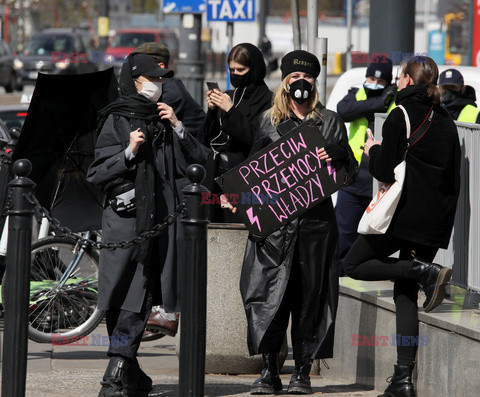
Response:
column 63, row 287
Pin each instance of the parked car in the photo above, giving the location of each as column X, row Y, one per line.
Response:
column 8, row 79
column 54, row 51
column 6, row 138
column 124, row 41
column 13, row 115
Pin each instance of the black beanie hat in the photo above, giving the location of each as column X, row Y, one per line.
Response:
column 380, row 70
column 300, row 61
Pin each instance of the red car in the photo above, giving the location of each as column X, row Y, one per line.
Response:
column 126, row 40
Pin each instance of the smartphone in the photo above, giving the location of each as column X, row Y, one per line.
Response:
column 212, row 85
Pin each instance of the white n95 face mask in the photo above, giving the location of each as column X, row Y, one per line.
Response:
column 151, row 90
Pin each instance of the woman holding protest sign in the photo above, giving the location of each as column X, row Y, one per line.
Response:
column 232, row 116
column 293, row 269
column 420, row 136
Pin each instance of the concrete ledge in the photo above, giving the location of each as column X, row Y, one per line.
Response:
column 226, row 344
column 447, row 364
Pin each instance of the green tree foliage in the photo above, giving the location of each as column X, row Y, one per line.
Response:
column 145, row 6
column 65, row 13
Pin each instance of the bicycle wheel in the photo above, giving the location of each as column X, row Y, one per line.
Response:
column 61, row 314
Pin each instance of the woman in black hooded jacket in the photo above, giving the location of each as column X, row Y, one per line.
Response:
column 142, row 151
column 232, row 117
column 423, row 219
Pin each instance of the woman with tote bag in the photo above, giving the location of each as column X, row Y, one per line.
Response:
column 421, row 136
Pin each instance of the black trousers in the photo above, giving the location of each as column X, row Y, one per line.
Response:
column 125, row 329
column 348, row 211
column 291, row 303
column 369, row 260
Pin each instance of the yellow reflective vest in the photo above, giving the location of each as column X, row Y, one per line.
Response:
column 468, row 114
column 358, row 128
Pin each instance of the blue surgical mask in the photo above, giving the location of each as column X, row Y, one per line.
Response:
column 373, row 86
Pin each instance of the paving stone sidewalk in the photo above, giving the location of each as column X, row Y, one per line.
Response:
column 76, row 370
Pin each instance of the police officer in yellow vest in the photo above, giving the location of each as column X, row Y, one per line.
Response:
column 358, row 107
column 458, row 98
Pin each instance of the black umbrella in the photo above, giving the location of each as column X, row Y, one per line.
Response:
column 59, row 136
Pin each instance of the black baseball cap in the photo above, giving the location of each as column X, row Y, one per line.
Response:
column 451, row 77
column 145, row 65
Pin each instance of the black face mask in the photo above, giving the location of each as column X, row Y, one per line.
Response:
column 449, row 96
column 372, row 93
column 300, row 90
column 241, row 80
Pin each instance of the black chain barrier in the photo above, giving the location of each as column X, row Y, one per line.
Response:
column 22, row 205
column 65, row 231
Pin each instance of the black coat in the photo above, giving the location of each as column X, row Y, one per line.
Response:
column 158, row 172
column 311, row 241
column 350, row 109
column 426, row 210
column 185, row 107
column 122, row 277
column 231, row 134
column 456, row 105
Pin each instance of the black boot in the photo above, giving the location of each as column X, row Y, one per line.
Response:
column 269, row 381
column 113, row 379
column 136, row 382
column 433, row 279
column 300, row 381
column 401, row 383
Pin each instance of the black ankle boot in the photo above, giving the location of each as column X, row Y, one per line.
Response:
column 433, row 279
column 113, row 379
column 300, row 381
column 136, row 382
column 269, row 382
column 401, row 383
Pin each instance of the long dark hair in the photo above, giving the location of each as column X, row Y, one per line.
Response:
column 423, row 71
column 241, row 55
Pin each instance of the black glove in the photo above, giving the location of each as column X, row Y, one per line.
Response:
column 388, row 94
column 336, row 152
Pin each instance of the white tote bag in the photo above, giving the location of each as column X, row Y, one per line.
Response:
column 379, row 213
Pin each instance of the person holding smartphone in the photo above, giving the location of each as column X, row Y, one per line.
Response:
column 424, row 216
column 230, row 125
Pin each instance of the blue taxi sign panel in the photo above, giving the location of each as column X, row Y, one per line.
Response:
column 184, row 6
column 231, row 10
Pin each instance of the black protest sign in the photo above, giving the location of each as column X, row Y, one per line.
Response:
column 282, row 181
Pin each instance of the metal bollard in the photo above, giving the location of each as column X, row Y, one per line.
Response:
column 15, row 341
column 194, row 287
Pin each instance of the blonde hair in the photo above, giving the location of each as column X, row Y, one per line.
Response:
column 280, row 109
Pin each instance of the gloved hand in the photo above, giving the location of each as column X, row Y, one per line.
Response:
column 336, row 152
column 388, row 94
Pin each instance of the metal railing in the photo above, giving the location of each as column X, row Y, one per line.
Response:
column 463, row 253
